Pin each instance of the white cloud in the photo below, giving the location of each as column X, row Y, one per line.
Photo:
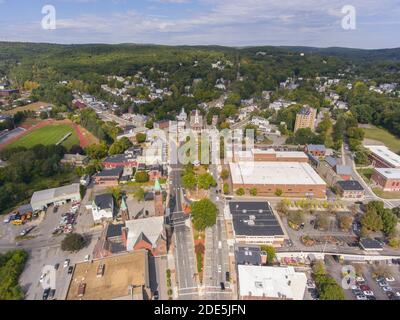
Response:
column 228, row 22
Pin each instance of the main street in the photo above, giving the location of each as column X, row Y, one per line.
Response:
column 216, row 251
column 185, row 261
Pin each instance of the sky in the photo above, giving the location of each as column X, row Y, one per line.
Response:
column 316, row 23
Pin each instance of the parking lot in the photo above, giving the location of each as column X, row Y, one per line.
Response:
column 43, row 243
column 366, row 286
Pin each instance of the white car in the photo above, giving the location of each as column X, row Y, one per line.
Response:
column 386, row 289
column 66, row 263
column 390, row 279
column 361, row 297
column 6, row 220
column 87, row 257
column 219, row 269
column 368, row 293
column 360, row 279
column 397, row 294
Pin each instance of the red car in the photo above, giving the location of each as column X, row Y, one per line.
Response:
column 365, row 288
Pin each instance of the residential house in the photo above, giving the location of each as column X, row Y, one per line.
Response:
column 109, row 177
column 103, row 208
column 76, row 160
column 317, row 150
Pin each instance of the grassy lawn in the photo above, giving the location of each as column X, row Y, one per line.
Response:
column 47, row 135
column 384, row 136
column 386, row 194
column 366, row 174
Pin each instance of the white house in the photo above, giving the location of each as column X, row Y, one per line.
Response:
column 103, row 207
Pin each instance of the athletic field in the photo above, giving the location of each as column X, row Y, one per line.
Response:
column 50, row 134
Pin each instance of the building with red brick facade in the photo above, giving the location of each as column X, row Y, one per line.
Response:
column 270, row 155
column 287, row 179
column 382, row 157
column 387, row 178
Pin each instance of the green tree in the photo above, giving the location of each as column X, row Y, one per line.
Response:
column 206, row 180
column 271, row 253
column 278, row 192
column 254, row 192
column 139, row 194
column 226, row 188
column 322, row 222
column 189, row 180
column 141, row 137
column 225, row 174
column 296, row 217
column 240, row 192
column 97, row 151
column 120, row 146
column 12, row 264
column 345, row 222
column 142, row 177
column 73, row 242
column 371, row 221
column 204, row 214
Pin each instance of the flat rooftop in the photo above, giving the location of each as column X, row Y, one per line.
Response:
column 271, row 282
column 277, row 173
column 389, row 173
column 385, row 154
column 120, row 272
column 254, row 218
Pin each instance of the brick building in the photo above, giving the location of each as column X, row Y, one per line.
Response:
column 305, row 118
column 109, row 177
column 382, row 157
column 289, row 179
column 387, row 178
column 350, row 190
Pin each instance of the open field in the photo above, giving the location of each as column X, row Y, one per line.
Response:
column 382, row 135
column 29, row 107
column 47, row 135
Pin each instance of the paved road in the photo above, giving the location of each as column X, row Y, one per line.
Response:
column 347, row 159
column 216, row 255
column 183, row 239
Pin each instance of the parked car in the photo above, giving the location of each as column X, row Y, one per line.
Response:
column 360, row 279
column 56, row 266
column 386, row 289
column 222, row 286
column 390, row 279
column 66, row 263
column 7, row 220
column 155, row 295
column 361, row 297
column 55, row 209
column 368, row 293
column 46, row 293
column 383, row 283
column 227, row 276
column 371, row 297
column 87, row 257
column 70, row 269
column 52, row 294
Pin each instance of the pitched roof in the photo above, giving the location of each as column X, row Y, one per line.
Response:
column 316, row 147
column 344, row 170
column 104, row 201
column 150, row 227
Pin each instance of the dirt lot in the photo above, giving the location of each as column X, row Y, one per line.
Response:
column 30, row 107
